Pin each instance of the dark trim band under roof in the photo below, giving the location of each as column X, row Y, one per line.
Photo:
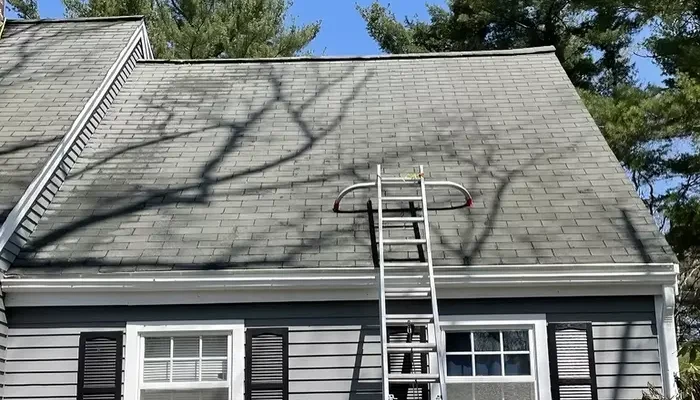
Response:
column 380, row 57
column 67, row 20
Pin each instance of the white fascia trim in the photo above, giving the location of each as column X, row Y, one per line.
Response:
column 14, row 219
column 445, row 276
column 492, row 281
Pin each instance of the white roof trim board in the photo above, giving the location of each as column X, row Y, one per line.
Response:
column 495, row 281
column 463, row 276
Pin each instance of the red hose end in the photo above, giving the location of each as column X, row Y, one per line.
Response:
column 470, row 202
column 336, row 206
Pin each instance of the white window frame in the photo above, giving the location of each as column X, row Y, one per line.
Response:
column 539, row 352
column 136, row 332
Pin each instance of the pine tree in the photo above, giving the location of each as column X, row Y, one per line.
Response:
column 25, row 9
column 190, row 29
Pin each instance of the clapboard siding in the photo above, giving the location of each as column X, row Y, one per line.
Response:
column 333, row 347
column 35, row 368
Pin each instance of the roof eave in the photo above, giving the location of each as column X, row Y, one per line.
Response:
column 348, row 284
column 81, row 19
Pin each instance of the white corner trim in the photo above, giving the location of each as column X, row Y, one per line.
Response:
column 665, row 305
column 309, row 284
column 135, row 332
column 14, row 219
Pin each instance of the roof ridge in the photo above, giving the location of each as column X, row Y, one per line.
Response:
column 81, row 19
column 378, row 57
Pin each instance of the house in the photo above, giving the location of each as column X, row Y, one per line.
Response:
column 172, row 232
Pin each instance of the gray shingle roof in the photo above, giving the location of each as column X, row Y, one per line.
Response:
column 235, row 164
column 48, row 71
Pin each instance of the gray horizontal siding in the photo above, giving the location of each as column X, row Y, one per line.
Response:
column 44, row 362
column 333, row 347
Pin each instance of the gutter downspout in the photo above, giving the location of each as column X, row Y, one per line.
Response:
column 664, row 305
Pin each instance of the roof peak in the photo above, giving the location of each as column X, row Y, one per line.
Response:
column 409, row 56
column 82, row 19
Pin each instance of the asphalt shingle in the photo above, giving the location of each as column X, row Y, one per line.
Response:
column 48, row 71
column 231, row 164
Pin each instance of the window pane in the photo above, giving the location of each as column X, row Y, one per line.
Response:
column 202, row 394
column 488, row 391
column 519, row 391
column 460, row 365
column 157, row 347
column 517, row 364
column 487, row 341
column 214, row 370
column 214, row 346
column 156, row 371
column 186, row 347
column 488, row 365
column 458, row 341
column 515, row 340
column 185, row 371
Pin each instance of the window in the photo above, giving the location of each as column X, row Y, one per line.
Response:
column 185, row 362
column 502, row 358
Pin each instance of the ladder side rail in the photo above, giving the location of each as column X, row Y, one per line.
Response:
column 441, row 354
column 382, row 294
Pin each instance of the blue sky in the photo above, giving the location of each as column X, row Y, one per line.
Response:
column 343, row 31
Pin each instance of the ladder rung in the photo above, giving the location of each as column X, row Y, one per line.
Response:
column 418, row 277
column 407, row 295
column 398, row 179
column 405, row 264
column 407, row 289
column 403, row 219
column 404, row 241
column 403, row 198
column 411, row 378
column 405, row 319
column 414, row 347
column 400, row 183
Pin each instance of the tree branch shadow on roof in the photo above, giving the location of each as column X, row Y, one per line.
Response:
column 633, row 233
column 138, row 198
column 25, row 44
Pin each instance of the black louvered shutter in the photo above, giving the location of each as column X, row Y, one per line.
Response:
column 267, row 365
column 100, row 366
column 571, row 361
column 405, row 363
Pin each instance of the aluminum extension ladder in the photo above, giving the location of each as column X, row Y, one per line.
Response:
column 388, row 279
